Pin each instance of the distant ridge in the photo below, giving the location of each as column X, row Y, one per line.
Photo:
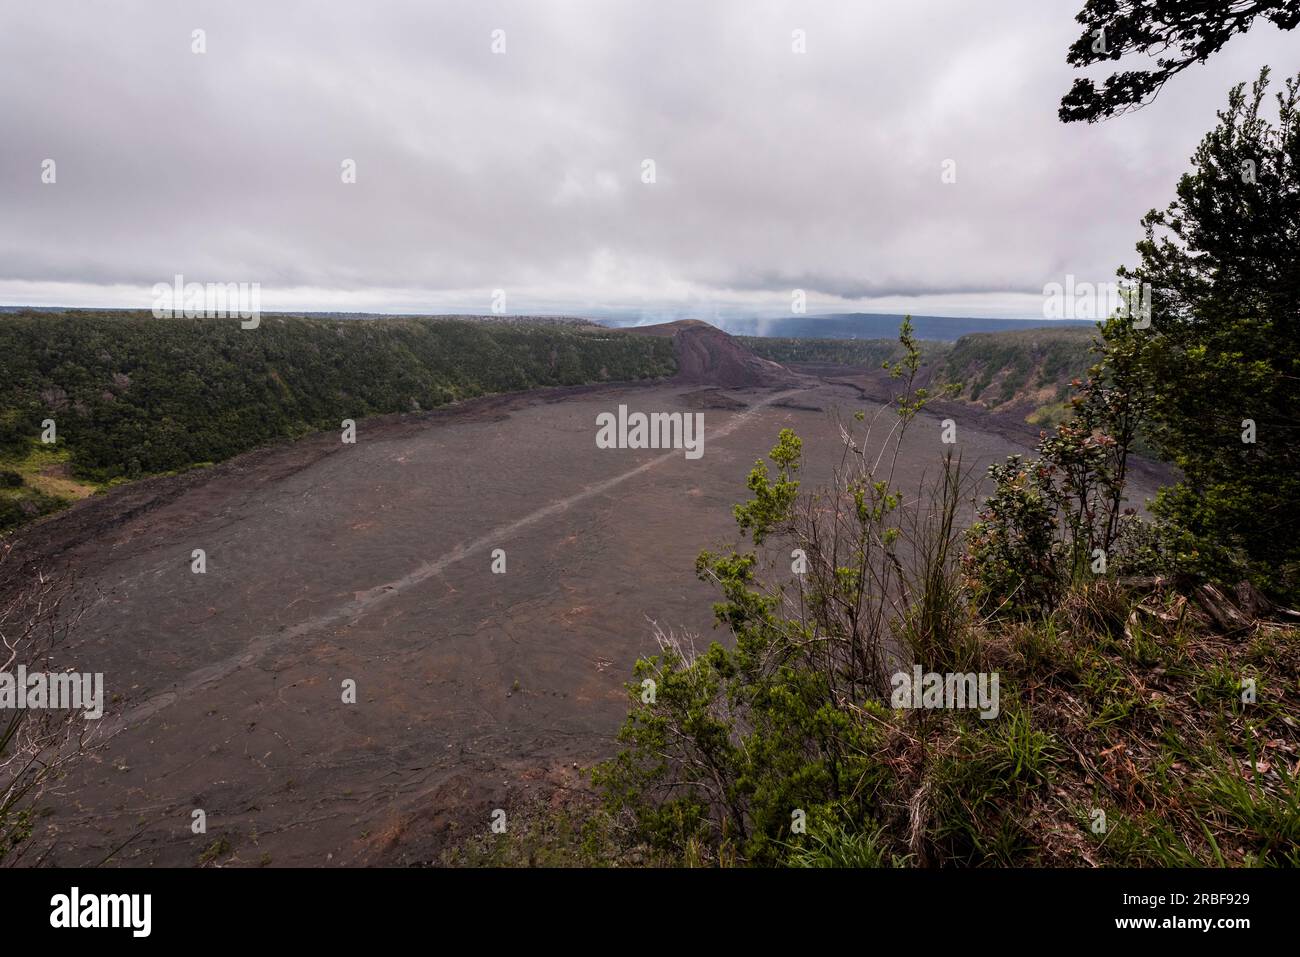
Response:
column 865, row 325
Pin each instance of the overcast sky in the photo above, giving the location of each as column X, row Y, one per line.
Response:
column 522, row 171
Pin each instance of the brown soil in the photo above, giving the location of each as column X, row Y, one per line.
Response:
column 708, row 356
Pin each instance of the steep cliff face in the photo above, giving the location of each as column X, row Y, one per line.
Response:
column 1027, row 374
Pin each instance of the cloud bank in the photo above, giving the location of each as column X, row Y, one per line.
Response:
column 523, row 170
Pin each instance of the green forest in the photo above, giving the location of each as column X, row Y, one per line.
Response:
column 1027, row 373
column 130, row 395
column 850, row 352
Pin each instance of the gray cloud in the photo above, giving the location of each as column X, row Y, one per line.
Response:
column 522, row 171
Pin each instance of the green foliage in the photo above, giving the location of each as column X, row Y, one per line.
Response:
column 1237, row 799
column 215, row 851
column 1175, row 32
column 1013, row 556
column 850, row 352
column 1224, row 261
column 133, row 395
column 842, row 847
column 726, row 753
column 26, row 504
column 911, row 399
column 770, row 508
column 1000, row 369
column 979, row 784
column 543, row 835
column 1059, row 517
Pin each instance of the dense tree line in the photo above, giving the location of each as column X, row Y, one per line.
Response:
column 1221, row 356
column 1015, row 363
column 1033, row 367
column 852, row 352
column 132, row 395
